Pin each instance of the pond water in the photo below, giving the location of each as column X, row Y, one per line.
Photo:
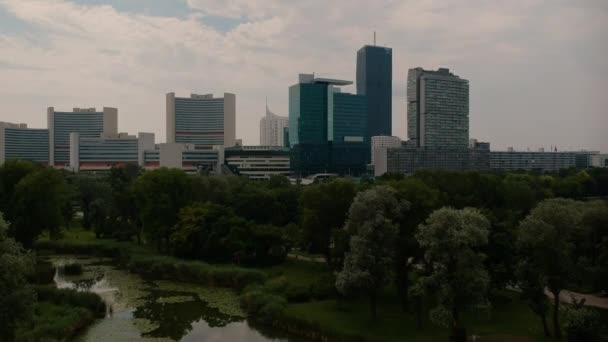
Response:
column 144, row 310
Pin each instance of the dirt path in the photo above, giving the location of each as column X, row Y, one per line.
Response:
column 590, row 300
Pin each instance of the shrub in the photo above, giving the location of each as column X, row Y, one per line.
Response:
column 261, row 305
column 582, row 324
column 73, row 269
column 44, row 273
column 66, row 297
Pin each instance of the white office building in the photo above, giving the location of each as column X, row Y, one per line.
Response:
column 202, row 120
column 272, row 128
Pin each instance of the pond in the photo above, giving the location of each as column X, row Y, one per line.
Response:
column 145, row 310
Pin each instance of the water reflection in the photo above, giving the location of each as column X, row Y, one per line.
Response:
column 140, row 310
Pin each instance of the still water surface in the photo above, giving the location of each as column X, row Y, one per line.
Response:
column 143, row 310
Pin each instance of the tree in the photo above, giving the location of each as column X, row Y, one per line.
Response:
column 89, row 188
column 159, row 196
column 423, row 200
column 324, row 208
column 532, row 286
column 40, row 198
column 125, row 216
column 16, row 297
column 544, row 241
column 452, row 239
column 11, row 172
column 374, row 219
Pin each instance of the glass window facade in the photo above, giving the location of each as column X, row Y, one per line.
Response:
column 87, row 124
column 26, row 144
column 199, row 121
column 375, row 81
column 438, row 109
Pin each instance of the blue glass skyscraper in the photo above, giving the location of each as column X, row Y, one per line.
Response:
column 375, row 81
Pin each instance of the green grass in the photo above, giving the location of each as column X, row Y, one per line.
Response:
column 510, row 320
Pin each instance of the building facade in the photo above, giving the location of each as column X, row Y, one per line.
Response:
column 201, row 120
column 17, row 142
column 258, row 162
column 408, row 160
column 382, row 142
column 108, row 150
column 88, row 123
column 328, row 130
column 272, row 129
column 375, row 81
column 599, row 160
column 437, row 109
column 540, row 160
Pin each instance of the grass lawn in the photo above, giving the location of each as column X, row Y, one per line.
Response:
column 510, row 320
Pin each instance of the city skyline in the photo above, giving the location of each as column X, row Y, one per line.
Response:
column 519, row 87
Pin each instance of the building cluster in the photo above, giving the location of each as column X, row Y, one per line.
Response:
column 328, row 131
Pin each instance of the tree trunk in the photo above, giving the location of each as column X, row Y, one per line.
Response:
column 557, row 331
column 543, row 317
column 372, row 302
column 459, row 333
column 419, row 312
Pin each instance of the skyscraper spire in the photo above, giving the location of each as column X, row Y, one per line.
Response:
column 374, row 38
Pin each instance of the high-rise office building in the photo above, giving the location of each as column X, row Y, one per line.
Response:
column 17, row 142
column 88, row 123
column 328, row 130
column 437, row 109
column 375, row 81
column 201, row 120
column 272, row 128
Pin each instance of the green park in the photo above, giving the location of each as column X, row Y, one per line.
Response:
column 436, row 256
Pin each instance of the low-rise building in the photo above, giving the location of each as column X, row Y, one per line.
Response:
column 512, row 160
column 258, row 162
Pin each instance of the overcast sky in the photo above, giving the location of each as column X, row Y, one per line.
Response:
column 538, row 69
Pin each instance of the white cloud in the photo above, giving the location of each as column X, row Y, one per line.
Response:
column 79, row 55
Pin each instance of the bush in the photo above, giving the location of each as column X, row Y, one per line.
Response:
column 73, row 269
column 261, row 305
column 195, row 272
column 66, row 297
column 44, row 273
column 582, row 324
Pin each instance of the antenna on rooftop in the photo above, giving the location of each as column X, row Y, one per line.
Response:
column 374, row 38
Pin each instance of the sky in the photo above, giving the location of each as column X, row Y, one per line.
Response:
column 538, row 69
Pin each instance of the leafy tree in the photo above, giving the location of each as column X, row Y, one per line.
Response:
column 582, row 324
column 11, row 172
column 544, row 242
column 159, row 196
column 16, row 297
column 592, row 245
column 452, row 239
column 324, row 208
column 125, row 216
column 374, row 219
column 423, row 200
column 203, row 232
column 40, row 198
column 89, row 188
column 532, row 286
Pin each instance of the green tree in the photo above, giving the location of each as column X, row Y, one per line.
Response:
column 532, row 286
column 324, row 208
column 11, row 172
column 16, row 297
column 544, row 241
column 423, row 200
column 452, row 239
column 374, row 220
column 125, row 216
column 159, row 196
column 89, row 188
column 40, row 198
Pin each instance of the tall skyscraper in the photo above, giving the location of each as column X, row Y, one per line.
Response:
column 88, row 122
column 375, row 81
column 272, row 129
column 201, row 120
column 437, row 109
column 328, row 130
